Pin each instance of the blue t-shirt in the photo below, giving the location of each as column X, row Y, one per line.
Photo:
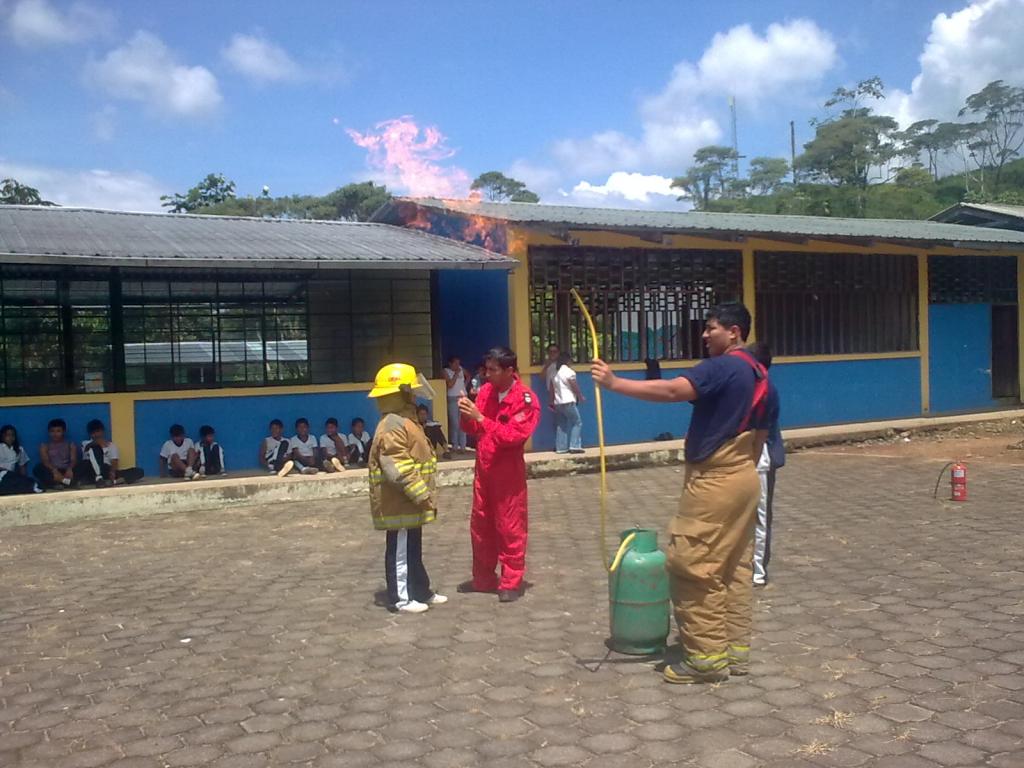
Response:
column 725, row 390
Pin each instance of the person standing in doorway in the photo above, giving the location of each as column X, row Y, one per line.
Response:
column 564, row 391
column 455, row 379
column 503, row 418
column 711, row 538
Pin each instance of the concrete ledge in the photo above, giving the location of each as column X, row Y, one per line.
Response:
column 181, row 496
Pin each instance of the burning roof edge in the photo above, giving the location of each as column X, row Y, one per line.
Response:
column 737, row 224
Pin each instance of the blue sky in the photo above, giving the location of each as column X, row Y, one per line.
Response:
column 111, row 104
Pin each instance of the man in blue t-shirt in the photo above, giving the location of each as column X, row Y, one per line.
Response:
column 710, row 544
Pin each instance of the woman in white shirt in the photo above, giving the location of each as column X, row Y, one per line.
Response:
column 455, row 377
column 565, row 397
column 14, row 465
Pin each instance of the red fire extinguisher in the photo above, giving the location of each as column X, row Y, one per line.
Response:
column 958, row 481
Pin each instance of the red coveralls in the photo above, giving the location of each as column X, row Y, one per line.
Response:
column 498, row 525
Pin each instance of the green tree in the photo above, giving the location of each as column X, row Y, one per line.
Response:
column 767, row 174
column 708, row 178
column 499, row 188
column 353, row 202
column 1001, row 129
column 920, row 139
column 913, row 176
column 13, row 192
column 210, row 191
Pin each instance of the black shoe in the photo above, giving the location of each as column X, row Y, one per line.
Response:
column 683, row 674
column 508, row 595
column 467, row 588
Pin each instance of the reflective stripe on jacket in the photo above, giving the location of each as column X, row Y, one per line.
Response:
column 403, row 472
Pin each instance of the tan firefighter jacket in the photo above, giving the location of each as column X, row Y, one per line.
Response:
column 403, row 474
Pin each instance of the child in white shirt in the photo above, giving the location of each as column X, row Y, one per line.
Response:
column 304, row 448
column 14, row 465
column 178, row 455
column 333, row 447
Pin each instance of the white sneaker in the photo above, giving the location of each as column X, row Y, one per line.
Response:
column 66, row 482
column 437, row 599
column 284, row 470
column 189, row 473
column 412, row 606
column 336, row 463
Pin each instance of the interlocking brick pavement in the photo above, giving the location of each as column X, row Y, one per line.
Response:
column 890, row 636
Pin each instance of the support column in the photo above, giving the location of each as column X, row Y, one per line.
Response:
column 750, row 288
column 1020, row 325
column 122, row 426
column 519, row 297
column 922, row 329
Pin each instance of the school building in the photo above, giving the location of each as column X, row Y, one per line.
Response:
column 868, row 319
column 144, row 320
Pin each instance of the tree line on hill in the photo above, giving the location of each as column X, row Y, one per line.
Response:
column 860, row 164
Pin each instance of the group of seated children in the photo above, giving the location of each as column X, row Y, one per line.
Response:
column 180, row 457
column 62, row 464
column 304, row 453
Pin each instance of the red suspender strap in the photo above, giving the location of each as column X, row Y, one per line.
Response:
column 760, row 398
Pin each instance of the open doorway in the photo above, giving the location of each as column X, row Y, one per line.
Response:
column 1005, row 358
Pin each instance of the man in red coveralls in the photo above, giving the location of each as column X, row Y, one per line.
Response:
column 504, row 416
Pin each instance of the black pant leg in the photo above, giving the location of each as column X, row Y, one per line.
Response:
column 43, row 476
column 12, row 484
column 131, row 474
column 281, row 456
column 390, row 575
column 768, row 509
column 419, row 581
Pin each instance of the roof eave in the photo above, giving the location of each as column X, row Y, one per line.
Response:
column 247, row 263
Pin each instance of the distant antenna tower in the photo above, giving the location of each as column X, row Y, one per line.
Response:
column 735, row 140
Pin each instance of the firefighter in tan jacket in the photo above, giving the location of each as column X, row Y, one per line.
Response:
column 403, row 495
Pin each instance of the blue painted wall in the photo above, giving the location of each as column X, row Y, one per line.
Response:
column 625, row 420
column 31, row 420
column 810, row 393
column 960, row 356
column 847, row 391
column 472, row 311
column 241, row 422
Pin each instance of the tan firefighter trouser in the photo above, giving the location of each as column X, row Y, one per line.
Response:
column 710, row 549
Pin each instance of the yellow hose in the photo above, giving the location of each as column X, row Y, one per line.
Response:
column 622, row 552
column 600, row 426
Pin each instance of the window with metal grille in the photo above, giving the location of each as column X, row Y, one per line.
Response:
column 645, row 304
column 972, row 279
column 836, row 303
column 207, row 332
column 102, row 330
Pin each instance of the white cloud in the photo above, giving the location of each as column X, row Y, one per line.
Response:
column 97, row 188
column 37, row 22
column 782, row 64
column 144, row 69
column 965, row 51
column 259, row 59
column 627, row 188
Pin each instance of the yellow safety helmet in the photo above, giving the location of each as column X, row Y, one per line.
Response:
column 392, row 377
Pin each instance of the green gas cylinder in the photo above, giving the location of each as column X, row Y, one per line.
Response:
column 638, row 595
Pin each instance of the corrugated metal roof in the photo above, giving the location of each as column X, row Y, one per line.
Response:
column 1014, row 211
column 83, row 235
column 733, row 223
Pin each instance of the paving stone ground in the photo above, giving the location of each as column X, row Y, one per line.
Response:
column 891, row 636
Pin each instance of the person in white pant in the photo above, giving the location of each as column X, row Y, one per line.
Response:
column 773, row 456
column 455, row 378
